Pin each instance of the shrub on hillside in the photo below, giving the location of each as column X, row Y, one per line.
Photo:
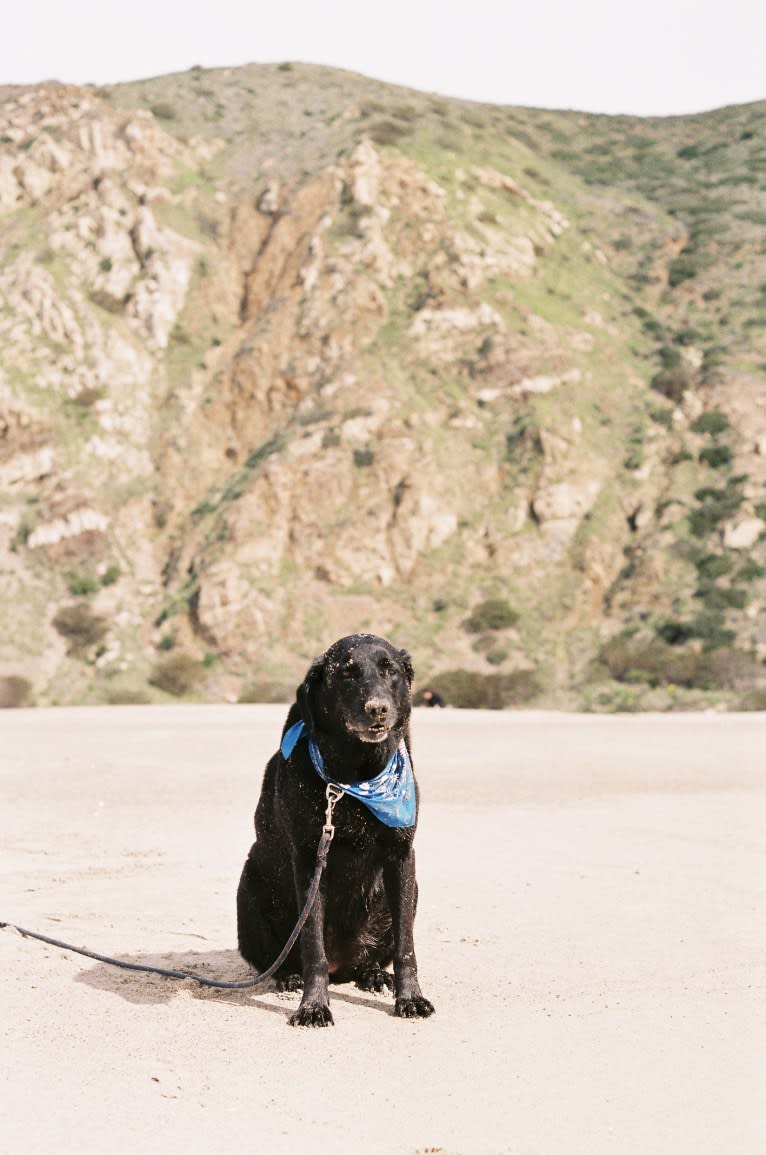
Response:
column 655, row 662
column 713, row 565
column 731, row 668
column 715, row 506
column 469, row 690
column 492, row 614
column 713, row 422
column 80, row 626
column 177, row 674
column 266, row 690
column 163, row 110
column 81, row 585
column 753, row 700
column 716, row 456
column 652, row 661
column 683, row 268
column 15, row 692
column 751, row 571
column 713, row 360
column 523, row 443
column 675, row 633
column 722, row 597
column 663, row 416
column 688, row 336
column 673, row 382
column 388, row 131
column 127, row 697
column 709, row 627
column 670, row 357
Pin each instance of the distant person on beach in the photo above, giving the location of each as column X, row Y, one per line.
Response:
column 432, row 698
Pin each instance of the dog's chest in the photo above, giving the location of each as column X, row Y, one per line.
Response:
column 355, row 827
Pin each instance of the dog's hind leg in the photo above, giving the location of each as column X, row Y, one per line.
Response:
column 372, row 977
column 289, row 982
column 260, row 930
column 376, row 950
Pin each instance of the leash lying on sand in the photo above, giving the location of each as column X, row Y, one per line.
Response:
column 333, row 793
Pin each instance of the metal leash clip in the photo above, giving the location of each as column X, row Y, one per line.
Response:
column 333, row 794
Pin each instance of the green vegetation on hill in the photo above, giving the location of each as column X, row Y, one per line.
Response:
column 290, row 352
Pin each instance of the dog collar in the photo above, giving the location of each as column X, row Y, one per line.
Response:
column 390, row 795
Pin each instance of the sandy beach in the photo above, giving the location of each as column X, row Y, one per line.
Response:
column 591, row 929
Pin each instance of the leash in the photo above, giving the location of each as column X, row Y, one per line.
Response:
column 332, row 794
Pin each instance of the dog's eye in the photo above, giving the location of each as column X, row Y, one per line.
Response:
column 347, row 673
column 386, row 669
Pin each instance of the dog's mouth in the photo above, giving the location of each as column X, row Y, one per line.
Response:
column 375, row 732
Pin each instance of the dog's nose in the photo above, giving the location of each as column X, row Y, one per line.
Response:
column 377, row 708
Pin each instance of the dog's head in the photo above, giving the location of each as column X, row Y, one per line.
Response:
column 360, row 688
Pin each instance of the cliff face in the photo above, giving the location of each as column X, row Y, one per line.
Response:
column 286, row 354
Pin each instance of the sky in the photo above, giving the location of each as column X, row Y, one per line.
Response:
column 653, row 58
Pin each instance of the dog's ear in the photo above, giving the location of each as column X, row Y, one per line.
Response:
column 305, row 692
column 407, row 666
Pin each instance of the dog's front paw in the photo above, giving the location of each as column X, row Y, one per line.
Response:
column 312, row 1015
column 413, row 1007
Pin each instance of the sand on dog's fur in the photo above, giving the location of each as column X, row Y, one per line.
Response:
column 592, row 931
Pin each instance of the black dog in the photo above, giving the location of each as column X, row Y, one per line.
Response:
column 350, row 725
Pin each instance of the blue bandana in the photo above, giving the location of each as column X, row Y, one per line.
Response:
column 390, row 795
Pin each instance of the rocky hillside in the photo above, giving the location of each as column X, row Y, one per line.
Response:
column 288, row 353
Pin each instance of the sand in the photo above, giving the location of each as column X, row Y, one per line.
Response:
column 592, row 931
